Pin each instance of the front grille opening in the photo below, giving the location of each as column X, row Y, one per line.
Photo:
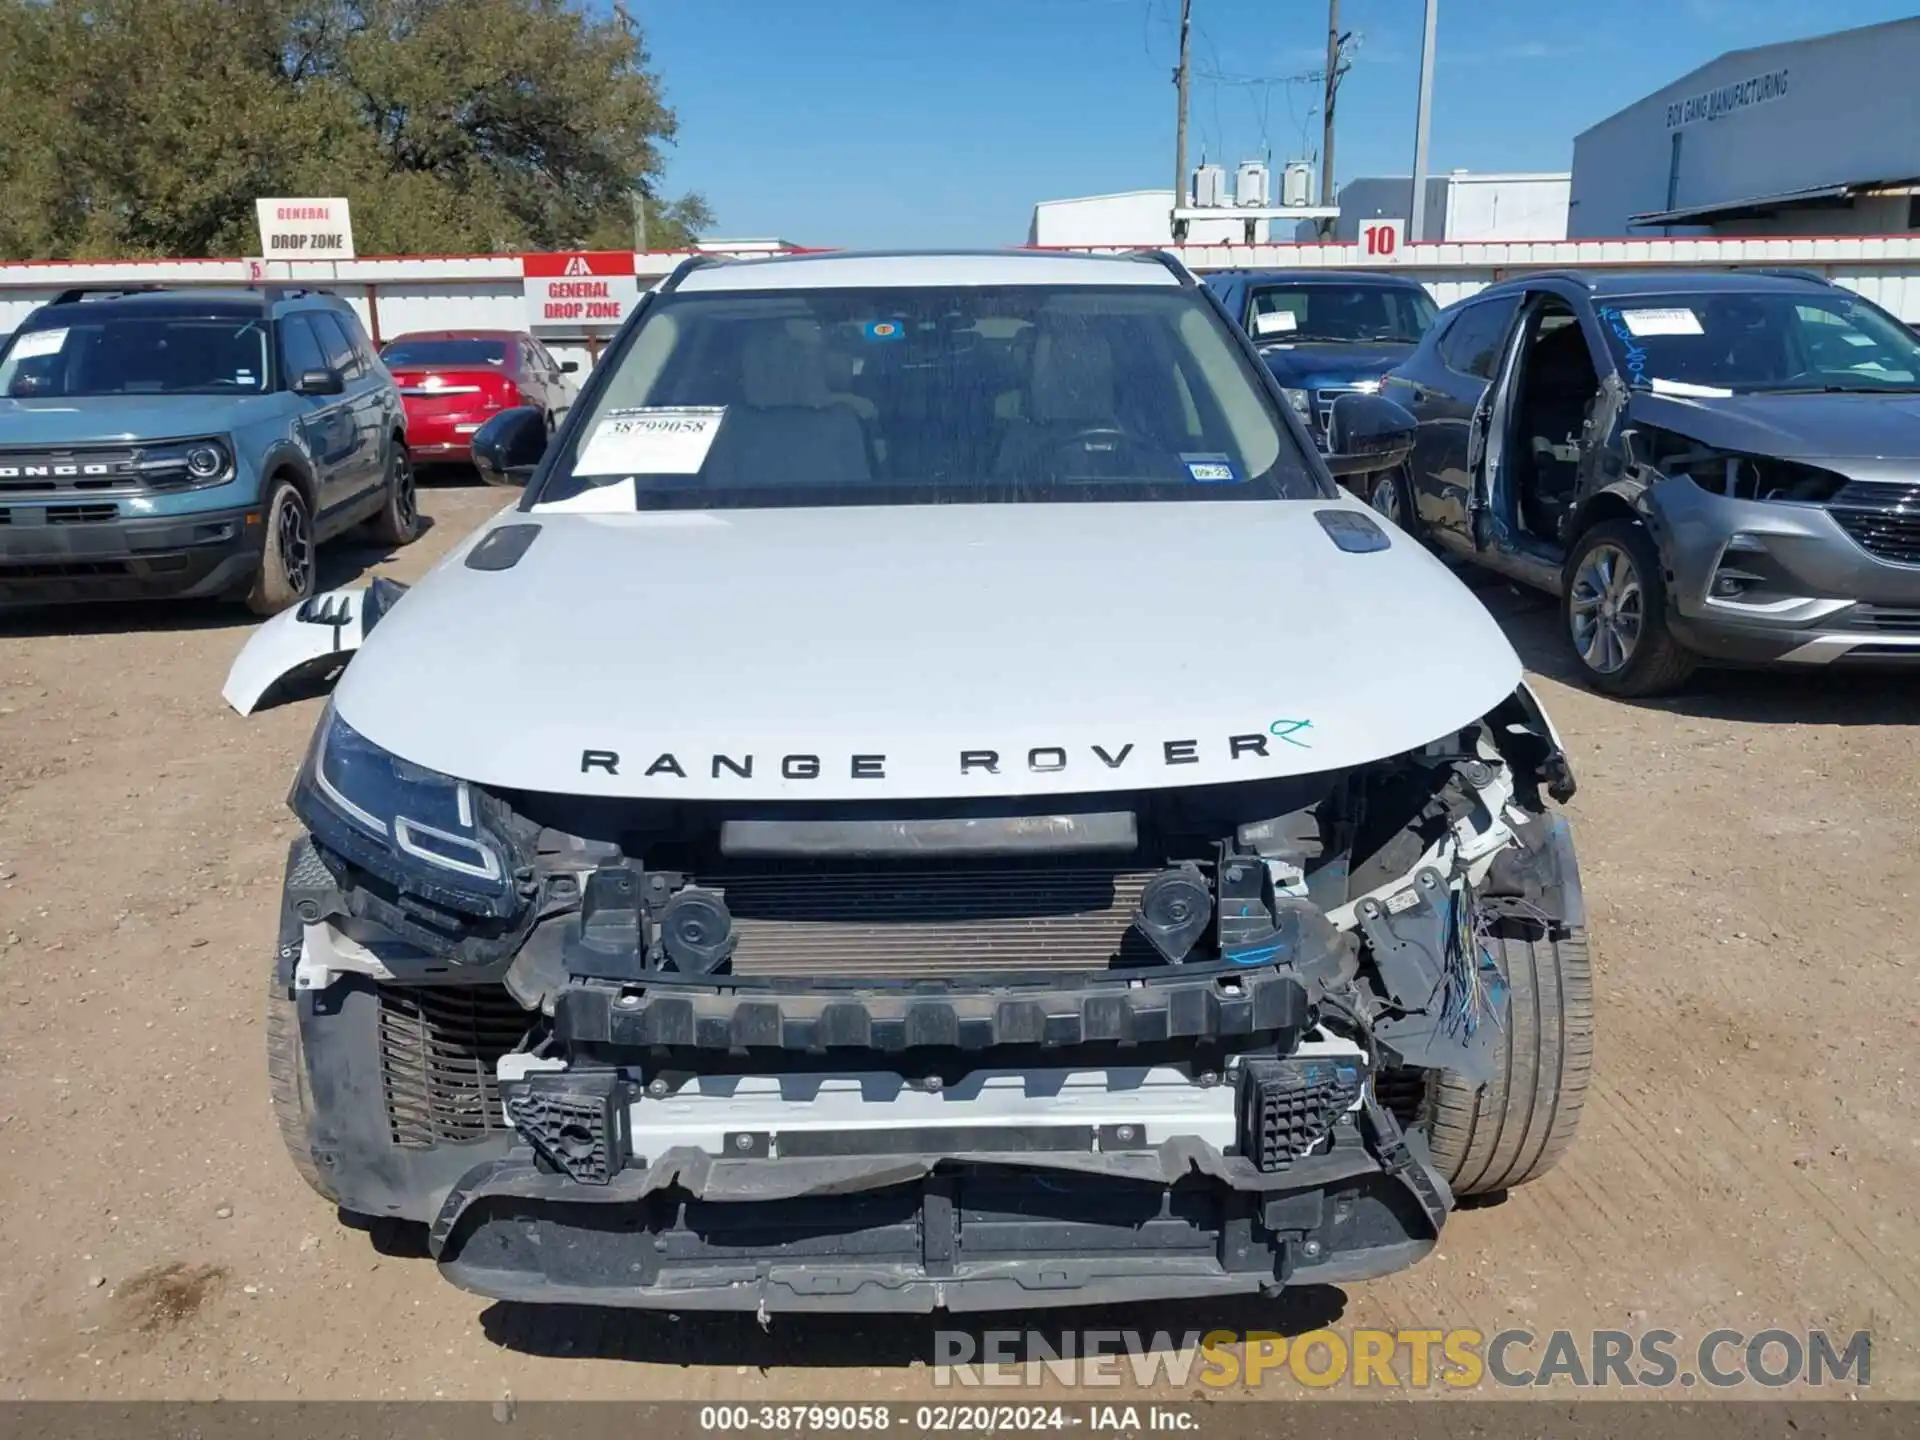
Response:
column 81, row 514
column 1883, row 519
column 438, row 1049
column 903, row 921
column 1881, row 617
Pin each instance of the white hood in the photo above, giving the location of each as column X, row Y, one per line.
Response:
column 882, row 653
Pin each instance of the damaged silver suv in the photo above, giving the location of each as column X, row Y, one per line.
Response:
column 930, row 799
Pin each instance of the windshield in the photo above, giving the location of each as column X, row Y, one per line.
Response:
column 1746, row 342
column 948, row 395
column 1341, row 314
column 137, row 356
column 445, row 352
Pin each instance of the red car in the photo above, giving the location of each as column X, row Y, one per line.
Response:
column 453, row 381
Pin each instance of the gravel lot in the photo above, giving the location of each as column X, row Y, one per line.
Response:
column 1749, row 1157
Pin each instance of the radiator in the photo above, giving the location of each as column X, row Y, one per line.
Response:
column 902, row 922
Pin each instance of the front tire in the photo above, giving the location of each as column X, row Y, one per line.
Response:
column 287, row 559
column 1390, row 496
column 288, row 1091
column 1516, row 1127
column 1613, row 608
column 398, row 522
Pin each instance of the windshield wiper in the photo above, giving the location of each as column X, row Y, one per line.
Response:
column 1906, row 389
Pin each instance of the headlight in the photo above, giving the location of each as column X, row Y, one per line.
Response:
column 394, row 817
column 1300, row 400
column 204, row 462
column 174, row 464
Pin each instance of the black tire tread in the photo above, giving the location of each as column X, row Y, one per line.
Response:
column 269, row 593
column 385, row 528
column 287, row 1087
column 1516, row 1127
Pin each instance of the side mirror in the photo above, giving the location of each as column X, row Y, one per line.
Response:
column 508, row 447
column 1366, row 433
column 319, row 382
column 570, row 366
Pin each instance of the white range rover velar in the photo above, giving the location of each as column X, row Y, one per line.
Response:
column 931, row 799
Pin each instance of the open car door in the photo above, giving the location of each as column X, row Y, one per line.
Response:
column 1489, row 427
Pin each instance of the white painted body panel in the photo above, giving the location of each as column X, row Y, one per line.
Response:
column 286, row 644
column 916, row 633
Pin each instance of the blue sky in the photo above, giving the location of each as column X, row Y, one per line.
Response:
column 937, row 122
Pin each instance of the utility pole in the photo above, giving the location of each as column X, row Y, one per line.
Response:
column 1326, row 110
column 1417, row 218
column 1180, row 79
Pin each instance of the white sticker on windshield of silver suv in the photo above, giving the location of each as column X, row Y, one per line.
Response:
column 1676, row 321
column 651, row 440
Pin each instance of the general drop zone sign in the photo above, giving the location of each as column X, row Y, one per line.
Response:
column 584, row 290
column 305, row 229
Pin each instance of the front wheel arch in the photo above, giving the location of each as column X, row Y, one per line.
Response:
column 285, row 462
column 1657, row 663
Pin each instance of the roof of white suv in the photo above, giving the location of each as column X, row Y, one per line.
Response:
column 857, row 271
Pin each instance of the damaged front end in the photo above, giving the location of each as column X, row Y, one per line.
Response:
column 936, row 1055
column 1803, row 558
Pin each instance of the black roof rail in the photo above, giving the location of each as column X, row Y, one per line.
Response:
column 1575, row 277
column 78, row 293
column 275, row 293
column 271, row 292
column 1786, row 272
column 685, row 268
column 1173, row 262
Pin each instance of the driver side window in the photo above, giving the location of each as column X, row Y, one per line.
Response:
column 299, row 349
column 1472, row 343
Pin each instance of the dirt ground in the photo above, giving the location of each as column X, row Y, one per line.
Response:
column 1749, row 1157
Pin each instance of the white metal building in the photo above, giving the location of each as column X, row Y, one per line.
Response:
column 1131, row 217
column 1811, row 137
column 1461, row 206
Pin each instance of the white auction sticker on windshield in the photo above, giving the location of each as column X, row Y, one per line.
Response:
column 1275, row 322
column 39, row 342
column 1677, row 321
column 651, row 440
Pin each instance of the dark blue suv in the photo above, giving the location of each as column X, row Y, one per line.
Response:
column 1326, row 333
column 172, row 443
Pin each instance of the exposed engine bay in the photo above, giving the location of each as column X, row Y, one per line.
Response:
column 705, row 1005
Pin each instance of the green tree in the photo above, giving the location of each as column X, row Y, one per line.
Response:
column 148, row 127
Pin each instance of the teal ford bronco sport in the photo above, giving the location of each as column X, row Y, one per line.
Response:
column 172, row 443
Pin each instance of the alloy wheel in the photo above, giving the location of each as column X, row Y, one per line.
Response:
column 1607, row 609
column 406, row 504
column 295, row 542
column 1385, row 498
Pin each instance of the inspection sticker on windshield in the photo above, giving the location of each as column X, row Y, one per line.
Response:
column 38, row 342
column 1677, row 321
column 1210, row 469
column 651, row 440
